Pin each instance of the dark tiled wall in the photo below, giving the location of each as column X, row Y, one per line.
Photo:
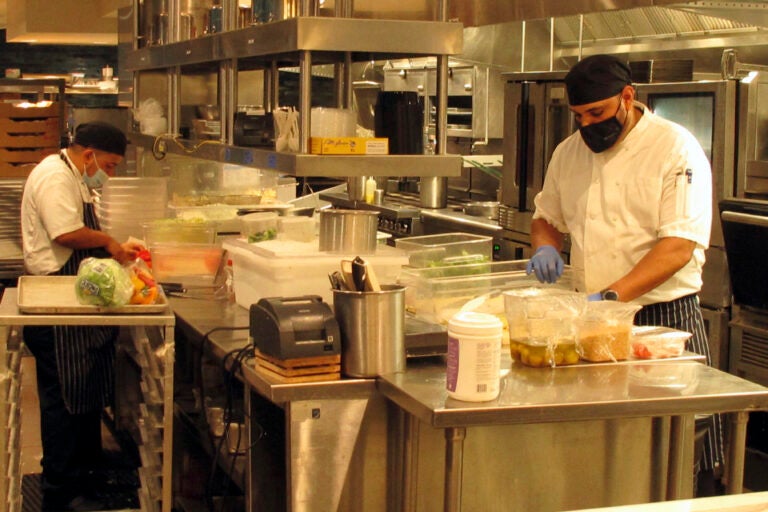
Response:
column 61, row 59
column 56, row 59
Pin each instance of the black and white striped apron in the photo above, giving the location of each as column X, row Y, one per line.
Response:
column 85, row 355
column 685, row 314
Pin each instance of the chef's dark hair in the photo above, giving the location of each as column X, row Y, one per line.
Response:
column 596, row 78
column 102, row 136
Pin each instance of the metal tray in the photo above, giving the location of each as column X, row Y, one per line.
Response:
column 56, row 295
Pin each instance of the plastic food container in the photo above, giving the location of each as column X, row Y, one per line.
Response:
column 605, row 330
column 178, row 231
column 436, row 294
column 189, row 264
column 542, row 325
column 446, row 249
column 652, row 342
column 258, row 227
column 301, row 229
column 286, row 268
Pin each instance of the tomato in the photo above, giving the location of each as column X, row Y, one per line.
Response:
column 144, row 255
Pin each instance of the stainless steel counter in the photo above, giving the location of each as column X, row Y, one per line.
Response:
column 584, row 393
column 620, row 415
column 332, row 432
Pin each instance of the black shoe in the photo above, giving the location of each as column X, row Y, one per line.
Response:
column 84, row 504
column 78, row 503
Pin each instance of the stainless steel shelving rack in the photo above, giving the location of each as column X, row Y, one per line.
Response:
column 297, row 42
column 151, row 347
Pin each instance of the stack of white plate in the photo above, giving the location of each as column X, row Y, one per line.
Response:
column 127, row 203
column 11, row 258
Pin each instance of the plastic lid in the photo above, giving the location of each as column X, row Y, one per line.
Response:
column 475, row 324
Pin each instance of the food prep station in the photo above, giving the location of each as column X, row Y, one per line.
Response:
column 564, row 433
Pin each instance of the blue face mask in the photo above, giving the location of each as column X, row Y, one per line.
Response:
column 98, row 179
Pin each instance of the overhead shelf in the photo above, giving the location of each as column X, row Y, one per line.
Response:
column 328, row 37
column 304, row 164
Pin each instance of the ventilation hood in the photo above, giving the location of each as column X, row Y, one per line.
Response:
column 62, row 21
column 539, row 36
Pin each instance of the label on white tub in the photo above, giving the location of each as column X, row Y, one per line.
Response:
column 472, row 371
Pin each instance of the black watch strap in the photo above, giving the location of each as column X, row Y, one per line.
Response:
column 609, row 294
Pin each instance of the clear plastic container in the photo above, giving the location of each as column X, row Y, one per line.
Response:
column 604, row 331
column 189, row 264
column 259, row 226
column 446, row 249
column 301, row 229
column 542, row 325
column 179, row 231
column 653, row 342
column 435, row 294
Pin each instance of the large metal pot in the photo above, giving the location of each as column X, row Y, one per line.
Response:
column 487, row 209
column 348, row 231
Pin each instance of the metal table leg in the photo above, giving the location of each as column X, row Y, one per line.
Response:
column 737, row 439
column 454, row 455
column 680, row 477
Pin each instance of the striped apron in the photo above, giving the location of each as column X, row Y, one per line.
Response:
column 685, row 314
column 85, row 355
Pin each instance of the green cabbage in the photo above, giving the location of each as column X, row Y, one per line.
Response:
column 103, row 282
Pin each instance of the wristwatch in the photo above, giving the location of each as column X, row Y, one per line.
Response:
column 609, row 294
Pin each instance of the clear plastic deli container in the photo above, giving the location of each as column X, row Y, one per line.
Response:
column 654, row 342
column 435, row 294
column 446, row 249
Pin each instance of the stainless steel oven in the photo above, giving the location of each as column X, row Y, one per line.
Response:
column 745, row 228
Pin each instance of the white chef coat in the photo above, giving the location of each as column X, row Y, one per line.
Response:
column 617, row 204
column 51, row 205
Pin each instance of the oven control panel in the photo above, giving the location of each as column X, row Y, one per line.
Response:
column 399, row 227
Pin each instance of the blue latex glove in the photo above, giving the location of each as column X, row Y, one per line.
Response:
column 594, row 296
column 546, row 263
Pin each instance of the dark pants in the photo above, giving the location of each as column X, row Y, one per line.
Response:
column 71, row 442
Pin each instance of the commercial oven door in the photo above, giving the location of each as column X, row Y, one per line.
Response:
column 745, row 229
column 536, row 120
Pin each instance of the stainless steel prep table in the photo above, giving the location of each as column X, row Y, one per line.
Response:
column 157, row 382
column 330, row 454
column 536, row 397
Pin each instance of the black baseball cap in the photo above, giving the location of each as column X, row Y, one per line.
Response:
column 596, row 78
column 102, row 136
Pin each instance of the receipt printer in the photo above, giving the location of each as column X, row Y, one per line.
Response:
column 294, row 327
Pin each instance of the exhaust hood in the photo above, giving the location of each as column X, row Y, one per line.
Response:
column 542, row 36
column 62, row 22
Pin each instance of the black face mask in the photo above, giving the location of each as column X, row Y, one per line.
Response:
column 603, row 135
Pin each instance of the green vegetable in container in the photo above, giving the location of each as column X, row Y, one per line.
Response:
column 103, row 282
column 261, row 236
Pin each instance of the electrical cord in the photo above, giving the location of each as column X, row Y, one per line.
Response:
column 202, row 389
column 230, row 372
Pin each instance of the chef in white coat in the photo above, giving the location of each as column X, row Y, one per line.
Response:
column 633, row 191
column 75, row 376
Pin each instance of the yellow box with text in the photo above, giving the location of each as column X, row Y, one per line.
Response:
column 348, row 146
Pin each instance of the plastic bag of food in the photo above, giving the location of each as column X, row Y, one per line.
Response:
column 103, row 282
column 144, row 286
column 604, row 331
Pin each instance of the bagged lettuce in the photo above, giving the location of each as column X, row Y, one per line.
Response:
column 103, row 282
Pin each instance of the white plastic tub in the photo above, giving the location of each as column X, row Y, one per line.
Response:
column 278, row 268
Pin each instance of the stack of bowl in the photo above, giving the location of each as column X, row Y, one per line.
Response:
column 127, row 203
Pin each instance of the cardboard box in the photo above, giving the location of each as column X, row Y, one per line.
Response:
column 8, row 170
column 43, row 140
column 348, row 146
column 21, row 156
column 14, row 111
column 48, row 125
